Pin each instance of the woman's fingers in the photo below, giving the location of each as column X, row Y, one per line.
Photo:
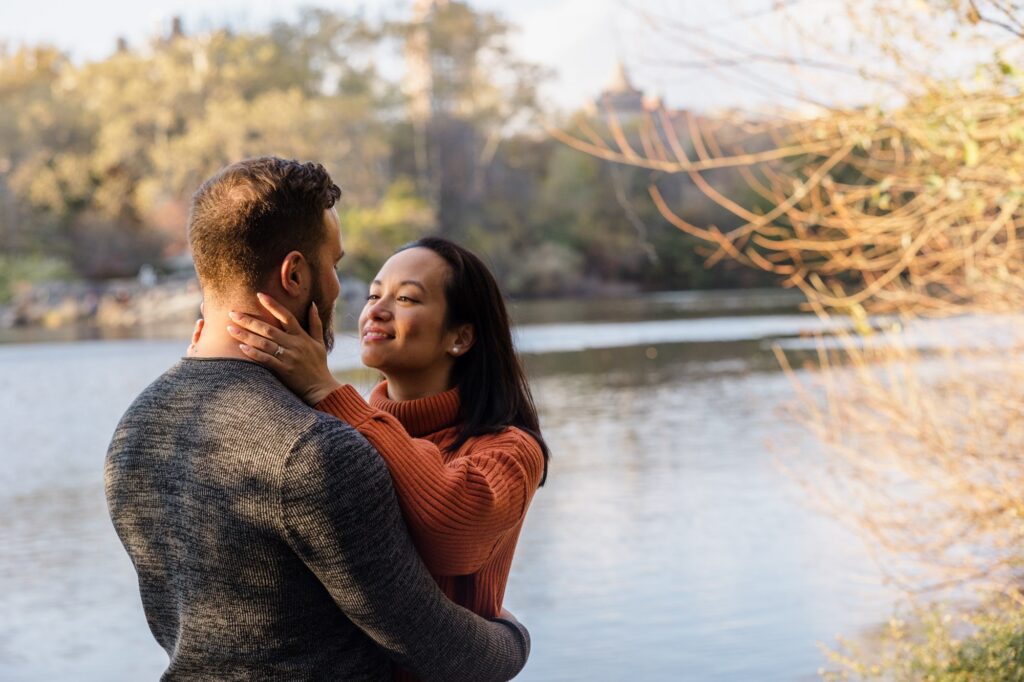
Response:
column 264, row 358
column 198, row 331
column 316, row 326
column 268, row 346
column 258, row 326
column 288, row 320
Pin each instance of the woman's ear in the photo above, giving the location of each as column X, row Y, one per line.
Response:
column 294, row 273
column 463, row 340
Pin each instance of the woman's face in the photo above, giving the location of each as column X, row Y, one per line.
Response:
column 402, row 327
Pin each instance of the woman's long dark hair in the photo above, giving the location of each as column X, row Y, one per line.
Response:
column 493, row 391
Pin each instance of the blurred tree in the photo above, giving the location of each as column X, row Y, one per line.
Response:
column 108, row 152
column 466, row 91
column 373, row 232
column 116, row 146
column 44, row 143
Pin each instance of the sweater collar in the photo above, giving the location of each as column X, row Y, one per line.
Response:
column 422, row 416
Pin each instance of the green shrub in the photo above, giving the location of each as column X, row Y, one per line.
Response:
column 936, row 645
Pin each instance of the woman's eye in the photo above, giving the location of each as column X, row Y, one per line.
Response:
column 406, row 299
column 372, row 297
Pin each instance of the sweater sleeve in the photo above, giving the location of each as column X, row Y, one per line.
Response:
column 339, row 514
column 457, row 511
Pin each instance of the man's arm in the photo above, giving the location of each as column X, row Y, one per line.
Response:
column 341, row 516
column 456, row 510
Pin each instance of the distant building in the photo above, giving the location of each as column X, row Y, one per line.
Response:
column 622, row 99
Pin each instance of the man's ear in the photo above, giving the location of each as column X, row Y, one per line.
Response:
column 463, row 340
column 294, row 274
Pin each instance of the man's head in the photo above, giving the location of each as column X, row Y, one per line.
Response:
column 268, row 224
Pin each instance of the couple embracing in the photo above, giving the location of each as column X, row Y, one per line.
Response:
column 282, row 527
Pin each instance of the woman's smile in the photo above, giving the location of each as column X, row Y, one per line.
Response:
column 371, row 334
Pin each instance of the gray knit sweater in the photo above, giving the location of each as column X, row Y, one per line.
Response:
column 269, row 543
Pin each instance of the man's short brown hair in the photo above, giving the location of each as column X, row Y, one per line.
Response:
column 245, row 219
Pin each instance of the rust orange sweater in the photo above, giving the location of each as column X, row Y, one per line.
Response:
column 464, row 509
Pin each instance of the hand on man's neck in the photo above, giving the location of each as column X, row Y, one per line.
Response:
column 215, row 342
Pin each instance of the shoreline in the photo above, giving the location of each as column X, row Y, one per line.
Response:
column 100, row 309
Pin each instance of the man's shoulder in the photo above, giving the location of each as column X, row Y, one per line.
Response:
column 222, row 389
column 229, row 403
column 229, row 406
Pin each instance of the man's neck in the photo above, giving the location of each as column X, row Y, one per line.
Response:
column 215, row 342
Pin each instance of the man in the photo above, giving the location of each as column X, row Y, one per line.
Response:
column 266, row 535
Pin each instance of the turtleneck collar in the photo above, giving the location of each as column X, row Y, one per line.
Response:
column 422, row 416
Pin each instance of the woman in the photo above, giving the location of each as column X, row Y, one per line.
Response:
column 453, row 417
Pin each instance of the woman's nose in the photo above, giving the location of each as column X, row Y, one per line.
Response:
column 379, row 311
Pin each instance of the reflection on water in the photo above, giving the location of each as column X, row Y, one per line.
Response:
column 666, row 545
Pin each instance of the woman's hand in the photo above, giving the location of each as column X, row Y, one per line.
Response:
column 196, row 333
column 298, row 359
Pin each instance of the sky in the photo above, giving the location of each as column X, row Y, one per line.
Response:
column 662, row 42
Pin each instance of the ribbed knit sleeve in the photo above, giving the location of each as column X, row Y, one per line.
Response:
column 457, row 511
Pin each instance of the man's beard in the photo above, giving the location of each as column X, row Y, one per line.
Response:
column 326, row 316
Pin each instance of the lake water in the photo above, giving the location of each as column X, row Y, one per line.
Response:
column 667, row 544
